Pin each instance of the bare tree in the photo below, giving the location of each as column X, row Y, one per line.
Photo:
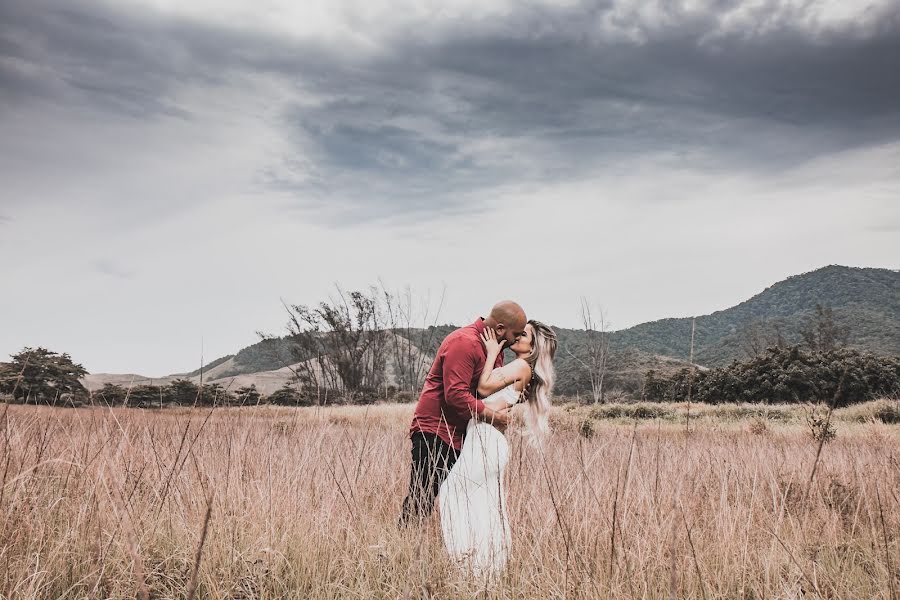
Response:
column 594, row 357
column 339, row 344
column 408, row 316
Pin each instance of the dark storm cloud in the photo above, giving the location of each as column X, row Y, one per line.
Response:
column 564, row 83
column 128, row 62
column 71, row 54
column 566, row 99
column 448, row 108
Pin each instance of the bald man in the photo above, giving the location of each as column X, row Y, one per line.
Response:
column 448, row 401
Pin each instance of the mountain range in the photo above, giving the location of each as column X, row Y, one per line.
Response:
column 865, row 302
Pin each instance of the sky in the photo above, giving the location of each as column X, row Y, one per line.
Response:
column 173, row 173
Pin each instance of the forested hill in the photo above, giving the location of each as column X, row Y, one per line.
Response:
column 865, row 301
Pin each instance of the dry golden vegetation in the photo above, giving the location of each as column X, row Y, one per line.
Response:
column 302, row 503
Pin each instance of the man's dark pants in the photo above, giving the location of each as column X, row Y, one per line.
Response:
column 432, row 459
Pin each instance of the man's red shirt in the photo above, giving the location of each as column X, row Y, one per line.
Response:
column 448, row 398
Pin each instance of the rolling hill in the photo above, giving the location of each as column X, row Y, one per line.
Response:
column 864, row 300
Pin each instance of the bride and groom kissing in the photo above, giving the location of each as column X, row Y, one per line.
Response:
column 459, row 450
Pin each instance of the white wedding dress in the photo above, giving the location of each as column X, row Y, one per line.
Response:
column 472, row 500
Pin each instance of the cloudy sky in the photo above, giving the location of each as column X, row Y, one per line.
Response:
column 171, row 171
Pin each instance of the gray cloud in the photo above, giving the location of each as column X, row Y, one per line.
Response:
column 560, row 104
column 112, row 268
column 886, row 227
column 449, row 110
column 652, row 146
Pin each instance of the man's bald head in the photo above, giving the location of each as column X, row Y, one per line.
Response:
column 508, row 320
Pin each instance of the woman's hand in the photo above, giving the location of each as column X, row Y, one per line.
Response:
column 489, row 337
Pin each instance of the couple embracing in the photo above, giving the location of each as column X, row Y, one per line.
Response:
column 459, row 450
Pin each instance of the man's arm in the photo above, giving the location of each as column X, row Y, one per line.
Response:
column 458, row 371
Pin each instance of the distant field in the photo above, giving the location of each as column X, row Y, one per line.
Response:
column 302, row 503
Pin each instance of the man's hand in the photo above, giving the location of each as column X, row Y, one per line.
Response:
column 497, row 418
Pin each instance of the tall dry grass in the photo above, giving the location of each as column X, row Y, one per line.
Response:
column 302, row 503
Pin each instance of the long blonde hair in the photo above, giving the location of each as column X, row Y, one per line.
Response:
column 540, row 360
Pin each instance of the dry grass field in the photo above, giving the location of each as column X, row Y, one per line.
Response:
column 302, row 503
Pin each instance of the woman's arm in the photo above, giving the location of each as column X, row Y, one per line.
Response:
column 492, row 379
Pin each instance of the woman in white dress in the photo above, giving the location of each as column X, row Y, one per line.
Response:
column 472, row 499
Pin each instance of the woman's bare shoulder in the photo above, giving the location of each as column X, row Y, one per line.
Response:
column 521, row 367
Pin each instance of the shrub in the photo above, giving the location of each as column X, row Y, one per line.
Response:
column 646, row 411
column 110, row 395
column 784, row 375
column 887, row 411
column 639, row 410
column 750, row 411
column 820, row 427
column 884, row 410
column 248, row 395
column 586, row 428
column 758, row 425
column 286, row 396
column 405, row 397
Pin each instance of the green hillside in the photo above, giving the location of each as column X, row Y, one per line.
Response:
column 865, row 301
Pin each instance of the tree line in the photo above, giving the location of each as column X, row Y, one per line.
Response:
column 362, row 346
column 784, row 375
